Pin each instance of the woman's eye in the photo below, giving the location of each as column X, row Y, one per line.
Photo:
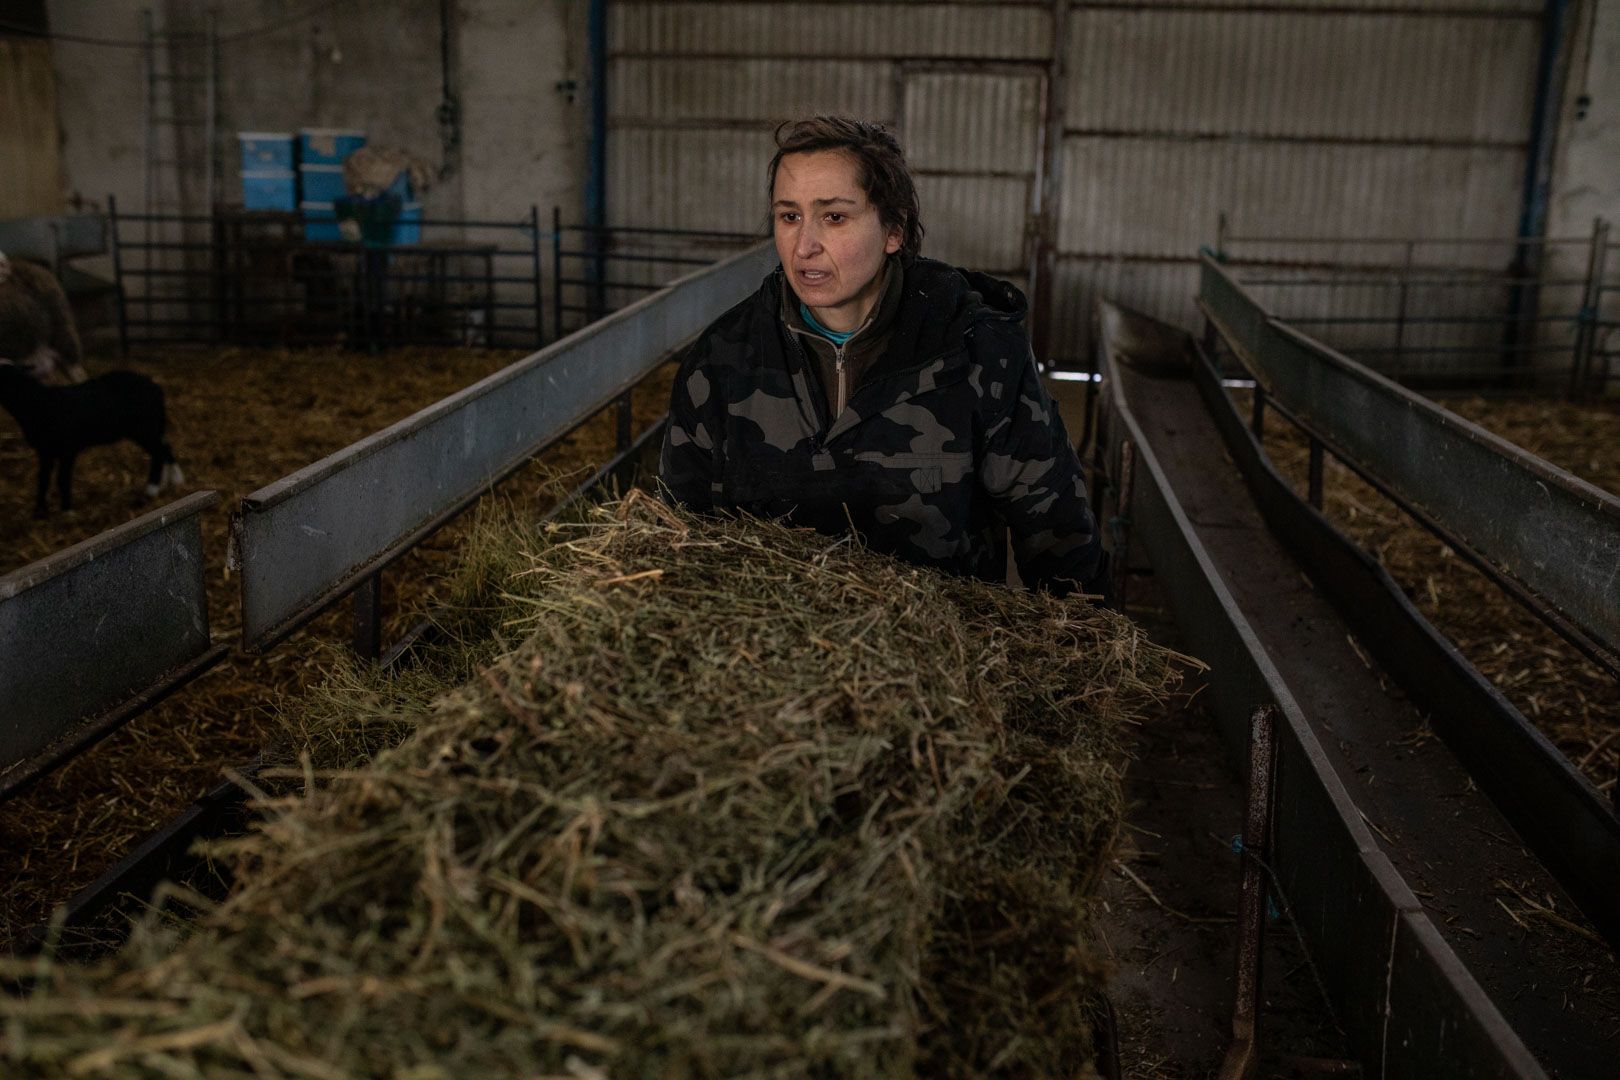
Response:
column 835, row 218
column 789, row 217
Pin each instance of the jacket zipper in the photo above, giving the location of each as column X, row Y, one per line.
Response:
column 838, row 367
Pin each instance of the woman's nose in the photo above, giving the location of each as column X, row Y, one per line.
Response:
column 807, row 243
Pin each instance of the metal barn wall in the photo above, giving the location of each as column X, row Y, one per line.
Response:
column 1293, row 118
column 696, row 89
column 1412, row 120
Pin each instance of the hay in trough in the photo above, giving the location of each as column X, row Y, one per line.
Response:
column 299, row 405
column 742, row 801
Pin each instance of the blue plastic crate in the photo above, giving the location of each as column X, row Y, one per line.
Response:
column 322, row 183
column 408, row 226
column 328, row 146
column 264, row 151
column 320, row 222
column 270, row 190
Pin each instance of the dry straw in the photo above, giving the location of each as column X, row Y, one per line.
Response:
column 744, row 801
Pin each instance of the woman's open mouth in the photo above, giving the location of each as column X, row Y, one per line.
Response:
column 815, row 277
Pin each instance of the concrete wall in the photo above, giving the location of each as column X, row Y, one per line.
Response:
column 30, row 165
column 1586, row 168
column 367, row 65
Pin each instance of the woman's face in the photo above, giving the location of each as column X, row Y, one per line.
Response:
column 829, row 236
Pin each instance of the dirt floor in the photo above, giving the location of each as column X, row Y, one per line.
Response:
column 1564, row 694
column 239, row 419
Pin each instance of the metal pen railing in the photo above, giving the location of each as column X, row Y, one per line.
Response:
column 274, row 278
column 280, row 278
column 1521, row 313
column 597, row 270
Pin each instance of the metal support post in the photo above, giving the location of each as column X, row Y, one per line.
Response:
column 118, row 275
column 1120, row 523
column 1255, row 850
column 367, row 639
column 1313, row 474
column 1099, row 439
column 1591, row 301
column 1400, row 304
column 556, row 273
column 626, row 421
column 534, row 238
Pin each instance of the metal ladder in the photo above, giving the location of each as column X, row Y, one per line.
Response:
column 181, row 166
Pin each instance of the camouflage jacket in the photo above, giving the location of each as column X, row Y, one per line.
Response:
column 949, row 443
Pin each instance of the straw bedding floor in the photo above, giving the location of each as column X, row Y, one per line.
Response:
column 239, row 418
column 718, row 799
column 1564, row 694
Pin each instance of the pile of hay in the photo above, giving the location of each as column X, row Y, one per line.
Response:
column 745, row 801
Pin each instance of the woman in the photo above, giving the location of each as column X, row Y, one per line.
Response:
column 865, row 387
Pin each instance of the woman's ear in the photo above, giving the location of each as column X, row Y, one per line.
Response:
column 892, row 243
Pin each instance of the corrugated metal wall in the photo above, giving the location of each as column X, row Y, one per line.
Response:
column 1411, row 119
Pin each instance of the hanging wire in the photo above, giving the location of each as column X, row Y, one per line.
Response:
column 190, row 39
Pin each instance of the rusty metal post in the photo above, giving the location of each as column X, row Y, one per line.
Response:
column 118, row 276
column 1400, row 307
column 626, row 422
column 1313, row 475
column 1120, row 523
column 1099, row 439
column 539, row 291
column 367, row 639
column 1244, row 1051
column 1591, row 302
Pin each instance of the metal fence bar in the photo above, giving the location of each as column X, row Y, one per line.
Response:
column 624, row 256
column 1557, row 534
column 306, row 539
column 96, row 632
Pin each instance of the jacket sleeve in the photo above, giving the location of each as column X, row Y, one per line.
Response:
column 689, row 464
column 1032, row 472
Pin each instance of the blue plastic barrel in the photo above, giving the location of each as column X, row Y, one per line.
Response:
column 320, row 222
column 266, row 151
column 270, row 189
column 322, row 183
column 408, row 226
column 327, row 146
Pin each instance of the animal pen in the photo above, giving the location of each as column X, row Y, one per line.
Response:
column 262, row 278
column 1348, row 863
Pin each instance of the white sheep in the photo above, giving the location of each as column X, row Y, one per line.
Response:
column 36, row 325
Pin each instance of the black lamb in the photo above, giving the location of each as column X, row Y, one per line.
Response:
column 61, row 421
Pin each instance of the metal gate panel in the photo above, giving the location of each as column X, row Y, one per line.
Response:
column 1162, row 197
column 973, row 140
column 675, row 178
column 659, row 91
column 975, row 221
column 972, row 121
column 1008, row 30
column 1339, row 76
column 1165, row 290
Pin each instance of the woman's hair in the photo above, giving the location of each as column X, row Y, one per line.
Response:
column 880, row 168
